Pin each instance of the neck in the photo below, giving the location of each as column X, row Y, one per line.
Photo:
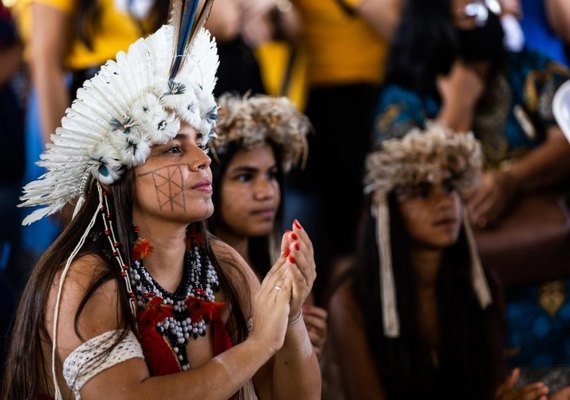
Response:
column 238, row 242
column 426, row 263
column 168, row 241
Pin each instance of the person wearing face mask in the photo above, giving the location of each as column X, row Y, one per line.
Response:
column 448, row 64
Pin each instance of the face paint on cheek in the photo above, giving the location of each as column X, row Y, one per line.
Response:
column 168, row 184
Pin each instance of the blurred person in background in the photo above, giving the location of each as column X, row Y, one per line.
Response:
column 240, row 27
column 505, row 98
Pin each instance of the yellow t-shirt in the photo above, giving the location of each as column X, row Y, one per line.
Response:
column 117, row 31
column 341, row 48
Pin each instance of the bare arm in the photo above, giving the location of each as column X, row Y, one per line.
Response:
column 50, row 28
column 358, row 370
column 545, row 166
column 558, row 14
column 382, row 15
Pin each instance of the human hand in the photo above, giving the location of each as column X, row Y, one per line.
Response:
column 532, row 391
column 271, row 307
column 297, row 248
column 252, row 9
column 316, row 322
column 462, row 87
column 488, row 202
column 256, row 31
column 562, row 394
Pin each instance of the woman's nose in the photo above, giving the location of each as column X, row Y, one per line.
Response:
column 263, row 189
column 199, row 159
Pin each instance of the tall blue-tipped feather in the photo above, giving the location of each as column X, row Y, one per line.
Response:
column 182, row 18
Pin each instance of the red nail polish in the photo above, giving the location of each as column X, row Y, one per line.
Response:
column 286, row 252
column 297, row 224
column 294, row 236
column 292, row 259
column 297, row 247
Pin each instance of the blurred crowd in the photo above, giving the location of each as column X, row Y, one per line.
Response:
column 363, row 72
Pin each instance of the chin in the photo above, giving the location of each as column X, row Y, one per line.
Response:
column 260, row 230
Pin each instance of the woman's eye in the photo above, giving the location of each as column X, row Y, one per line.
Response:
column 174, row 150
column 449, row 186
column 244, row 178
column 424, row 190
column 271, row 175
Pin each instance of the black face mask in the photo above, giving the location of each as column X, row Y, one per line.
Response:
column 483, row 43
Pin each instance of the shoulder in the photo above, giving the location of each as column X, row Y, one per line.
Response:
column 88, row 303
column 343, row 306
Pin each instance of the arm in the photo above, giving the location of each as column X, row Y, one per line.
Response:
column 382, row 15
column 48, row 47
column 460, row 91
column 358, row 370
column 219, row 377
column 542, row 168
column 558, row 14
column 296, row 361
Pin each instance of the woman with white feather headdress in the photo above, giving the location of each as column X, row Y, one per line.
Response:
column 134, row 299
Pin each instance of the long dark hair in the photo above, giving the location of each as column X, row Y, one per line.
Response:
column 424, row 46
column 259, row 248
column 89, row 13
column 26, row 376
column 470, row 338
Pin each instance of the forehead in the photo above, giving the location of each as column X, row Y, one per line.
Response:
column 262, row 155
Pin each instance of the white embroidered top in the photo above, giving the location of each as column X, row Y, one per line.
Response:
column 90, row 359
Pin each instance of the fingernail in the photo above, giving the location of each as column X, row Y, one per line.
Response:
column 297, row 224
column 287, row 231
column 286, row 252
column 297, row 247
column 294, row 236
column 292, row 259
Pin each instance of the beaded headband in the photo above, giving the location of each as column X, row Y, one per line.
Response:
column 253, row 121
column 435, row 155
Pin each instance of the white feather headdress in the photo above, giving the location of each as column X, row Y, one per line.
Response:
column 131, row 104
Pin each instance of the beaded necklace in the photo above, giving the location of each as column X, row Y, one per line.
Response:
column 189, row 308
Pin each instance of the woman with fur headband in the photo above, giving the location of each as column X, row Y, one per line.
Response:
column 259, row 139
column 418, row 316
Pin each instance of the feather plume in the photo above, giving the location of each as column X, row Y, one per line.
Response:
column 182, row 19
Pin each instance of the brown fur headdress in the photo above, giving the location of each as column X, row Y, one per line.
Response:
column 253, row 121
column 435, row 155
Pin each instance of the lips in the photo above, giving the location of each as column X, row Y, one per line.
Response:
column 445, row 221
column 266, row 213
column 203, row 186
